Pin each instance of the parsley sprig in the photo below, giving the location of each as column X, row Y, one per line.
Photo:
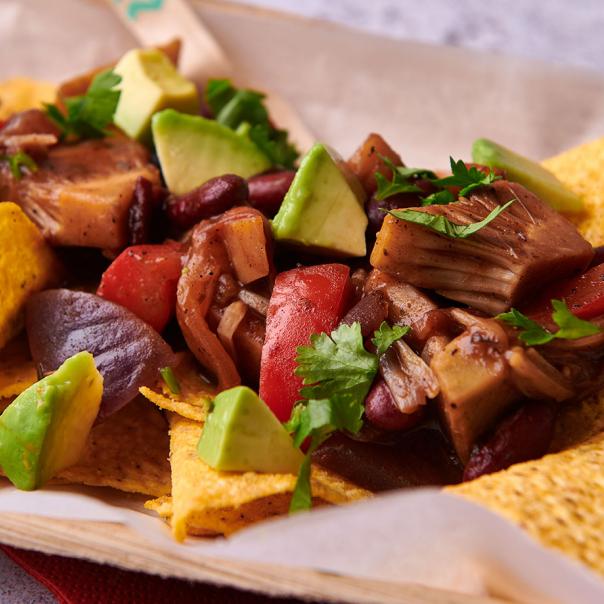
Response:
column 89, row 115
column 17, row 162
column 532, row 333
column 244, row 110
column 403, row 181
column 469, row 179
column 337, row 374
column 441, row 224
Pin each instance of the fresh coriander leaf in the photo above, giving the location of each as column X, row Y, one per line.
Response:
column 405, row 171
column 318, row 419
column 218, row 93
column 468, row 179
column 88, row 116
column 245, row 112
column 440, row 198
column 385, row 336
column 401, row 180
column 17, row 161
column 387, row 188
column 55, row 114
column 337, row 373
column 244, row 106
column 274, row 144
column 302, row 495
column 571, row 327
column 442, row 225
column 336, row 364
column 532, row 334
column 170, row 379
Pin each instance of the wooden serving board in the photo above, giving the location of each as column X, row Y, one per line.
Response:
column 117, row 545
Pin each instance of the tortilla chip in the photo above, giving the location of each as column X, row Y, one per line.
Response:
column 193, row 400
column 581, row 169
column 207, row 500
column 27, row 265
column 17, row 370
column 128, row 451
column 19, row 94
column 578, row 422
column 558, row 499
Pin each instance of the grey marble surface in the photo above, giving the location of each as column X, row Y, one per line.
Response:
column 562, row 31
column 553, row 30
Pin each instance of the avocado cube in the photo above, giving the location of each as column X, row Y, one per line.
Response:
column 242, row 434
column 323, row 209
column 193, row 149
column 528, row 173
column 150, row 83
column 44, row 430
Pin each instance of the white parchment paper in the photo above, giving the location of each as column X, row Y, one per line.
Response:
column 428, row 102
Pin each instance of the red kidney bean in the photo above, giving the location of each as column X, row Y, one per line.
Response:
column 524, row 435
column 376, row 208
column 369, row 311
column 381, row 411
column 268, row 190
column 215, row 196
column 140, row 215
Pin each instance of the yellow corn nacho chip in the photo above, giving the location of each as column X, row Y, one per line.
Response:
column 558, row 499
column 27, row 265
column 578, row 422
column 17, row 370
column 128, row 451
column 195, row 394
column 581, row 169
column 204, row 499
column 18, row 94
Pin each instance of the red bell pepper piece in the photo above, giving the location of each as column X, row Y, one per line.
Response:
column 143, row 278
column 304, row 301
column 584, row 296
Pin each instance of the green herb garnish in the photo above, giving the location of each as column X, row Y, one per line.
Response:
column 402, row 180
column 442, row 225
column 17, row 161
column 385, row 336
column 440, row 198
column 337, row 374
column 570, row 327
column 244, row 111
column 88, row 116
column 168, row 376
column 468, row 179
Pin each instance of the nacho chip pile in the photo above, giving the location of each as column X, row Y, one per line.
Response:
column 27, row 265
column 559, row 499
column 205, row 500
column 19, row 94
column 581, row 169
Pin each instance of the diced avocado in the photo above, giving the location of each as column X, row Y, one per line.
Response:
column 45, row 428
column 323, row 209
column 528, row 173
column 150, row 83
column 242, row 434
column 192, row 149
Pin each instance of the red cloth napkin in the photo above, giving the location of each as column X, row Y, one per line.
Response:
column 75, row 581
